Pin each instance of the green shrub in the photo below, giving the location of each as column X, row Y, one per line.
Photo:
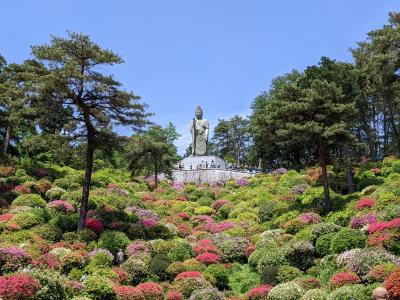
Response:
column 347, row 239
column 31, row 200
column 28, row 219
column 355, row 291
column 113, row 240
column 99, row 288
column 203, row 210
column 323, row 244
column 220, row 274
column 300, row 254
column 287, row 273
column 315, row 294
column 286, row 291
column 53, row 285
column 367, row 178
column 136, row 268
column 321, row 229
column 158, row 266
column 65, row 222
column 267, row 210
column 242, row 278
column 55, row 193
column 268, row 265
column 48, row 232
column 180, row 251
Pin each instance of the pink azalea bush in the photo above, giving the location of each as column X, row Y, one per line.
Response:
column 365, row 203
column 259, row 293
column 18, row 287
column 208, row 258
column 61, row 205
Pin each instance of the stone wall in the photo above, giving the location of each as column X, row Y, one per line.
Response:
column 207, row 175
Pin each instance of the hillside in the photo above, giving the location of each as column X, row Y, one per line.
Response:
column 240, row 240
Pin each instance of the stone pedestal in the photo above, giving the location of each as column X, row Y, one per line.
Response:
column 207, row 175
column 202, row 162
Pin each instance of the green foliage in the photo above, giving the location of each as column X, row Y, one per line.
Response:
column 99, row 288
column 356, row 291
column 242, row 278
column 286, row 291
column 220, row 274
column 136, row 268
column 323, row 244
column 113, row 240
column 287, row 273
column 347, row 239
column 367, row 178
column 315, row 294
column 31, row 200
column 53, row 285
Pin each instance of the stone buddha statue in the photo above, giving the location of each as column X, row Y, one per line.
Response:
column 199, row 131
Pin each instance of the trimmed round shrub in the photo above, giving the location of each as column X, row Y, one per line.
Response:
column 300, row 254
column 28, row 219
column 52, row 285
column 259, row 292
column 287, row 273
column 13, row 258
column 151, row 290
column 18, row 287
column 99, row 288
column 113, row 240
column 347, row 239
column 158, row 266
column 136, row 268
column 125, row 292
column 315, row 294
column 31, row 200
column 286, row 291
column 207, row 294
column 48, row 232
column 321, row 229
column 233, row 249
column 180, row 251
column 344, row 278
column 55, row 193
column 220, row 274
column 323, row 244
column 268, row 265
column 355, row 291
column 187, row 285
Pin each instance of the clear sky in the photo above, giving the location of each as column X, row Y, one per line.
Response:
column 178, row 54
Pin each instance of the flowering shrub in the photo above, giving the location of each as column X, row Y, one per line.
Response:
column 124, row 292
column 380, row 272
column 365, row 203
column 219, row 203
column 136, row 268
column 218, row 227
column 381, row 226
column 242, row 181
column 279, row 171
column 137, row 249
column 204, row 246
column 208, row 258
column 188, row 274
column 259, row 293
column 151, row 290
column 6, row 217
column 178, row 185
column 344, row 278
column 18, row 287
column 207, row 294
column 93, row 224
column 359, row 222
column 21, row 189
column 174, row 295
column 309, row 218
column 61, row 205
column 13, row 258
column 392, row 284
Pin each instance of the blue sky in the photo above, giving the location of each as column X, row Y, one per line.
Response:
column 178, row 54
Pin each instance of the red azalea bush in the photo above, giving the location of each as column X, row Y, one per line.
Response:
column 124, row 292
column 188, row 274
column 94, row 224
column 6, row 217
column 174, row 295
column 21, row 189
column 385, row 225
column 344, row 278
column 151, row 290
column 204, row 246
column 18, row 287
column 259, row 292
column 122, row 275
column 365, row 203
column 392, row 284
column 208, row 258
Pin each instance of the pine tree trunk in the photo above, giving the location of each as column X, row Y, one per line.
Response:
column 7, row 139
column 322, row 158
column 350, row 183
column 88, row 178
